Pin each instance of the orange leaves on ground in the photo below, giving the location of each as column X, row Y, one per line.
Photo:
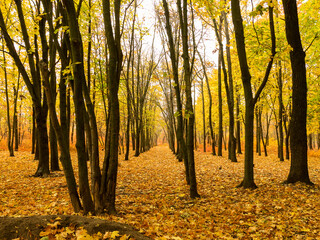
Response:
column 152, row 196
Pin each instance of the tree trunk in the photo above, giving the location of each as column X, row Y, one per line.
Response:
column 182, row 148
column 210, row 106
column 43, row 165
column 79, row 76
column 10, row 146
column 264, row 141
column 280, row 124
column 310, row 141
column 109, row 179
column 258, row 131
column 33, row 134
column 229, row 89
column 220, row 127
column 298, row 139
column 62, row 140
column 203, row 118
column 238, row 128
column 248, row 181
column 183, row 16
column 54, row 156
column 287, row 137
column 131, row 55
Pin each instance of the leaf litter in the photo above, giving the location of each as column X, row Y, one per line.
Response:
column 153, row 197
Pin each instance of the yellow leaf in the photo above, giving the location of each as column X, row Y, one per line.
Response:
column 125, row 237
column 305, row 230
column 54, row 225
column 106, row 235
column 45, row 233
column 114, row 234
column 83, row 235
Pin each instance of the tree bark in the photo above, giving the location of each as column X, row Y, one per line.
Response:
column 280, row 124
column 238, row 124
column 258, row 131
column 229, row 89
column 298, row 139
column 109, row 179
column 203, row 118
column 183, row 16
column 62, row 140
column 220, row 127
column 182, row 153
column 10, row 146
column 79, row 77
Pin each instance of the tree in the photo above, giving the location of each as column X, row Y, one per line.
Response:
column 280, row 123
column 250, row 101
column 34, row 87
column 62, row 140
column 298, row 137
column 174, row 63
column 10, row 134
column 79, row 78
column 228, row 82
column 183, row 17
column 212, row 135
column 129, row 100
column 110, row 165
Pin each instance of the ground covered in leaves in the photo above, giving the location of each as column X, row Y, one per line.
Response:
column 153, row 197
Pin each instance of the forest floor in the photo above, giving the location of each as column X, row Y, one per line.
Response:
column 152, row 196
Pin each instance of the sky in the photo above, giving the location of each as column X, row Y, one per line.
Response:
column 146, row 11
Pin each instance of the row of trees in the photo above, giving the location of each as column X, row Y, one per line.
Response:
column 119, row 78
column 276, row 64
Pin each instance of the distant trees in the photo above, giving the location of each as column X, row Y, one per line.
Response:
column 185, row 143
column 33, row 85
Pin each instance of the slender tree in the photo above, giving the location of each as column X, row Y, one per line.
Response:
column 250, row 101
column 183, row 17
column 9, row 141
column 110, row 165
column 280, row 122
column 79, row 78
column 182, row 153
column 34, row 88
column 62, row 140
column 212, row 135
